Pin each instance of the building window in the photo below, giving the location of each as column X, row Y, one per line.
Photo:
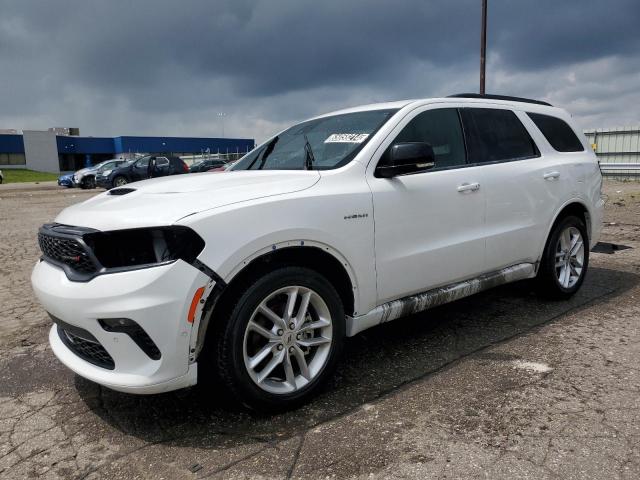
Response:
column 12, row 159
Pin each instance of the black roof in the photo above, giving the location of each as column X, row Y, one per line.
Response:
column 500, row 97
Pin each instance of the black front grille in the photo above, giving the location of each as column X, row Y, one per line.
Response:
column 86, row 347
column 67, row 251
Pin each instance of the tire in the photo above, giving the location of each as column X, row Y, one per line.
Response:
column 285, row 384
column 120, row 181
column 88, row 183
column 560, row 275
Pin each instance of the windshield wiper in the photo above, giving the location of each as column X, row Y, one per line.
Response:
column 265, row 153
column 309, row 159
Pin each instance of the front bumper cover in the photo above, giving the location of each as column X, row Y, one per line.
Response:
column 158, row 299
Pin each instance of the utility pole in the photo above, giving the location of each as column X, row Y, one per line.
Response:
column 483, row 46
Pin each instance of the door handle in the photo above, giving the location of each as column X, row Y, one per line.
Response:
column 551, row 175
column 468, row 187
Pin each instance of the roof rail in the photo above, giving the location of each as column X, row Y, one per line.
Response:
column 499, row 97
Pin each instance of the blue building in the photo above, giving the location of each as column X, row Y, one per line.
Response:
column 47, row 152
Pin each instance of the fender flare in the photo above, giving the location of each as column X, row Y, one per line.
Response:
column 576, row 200
column 218, row 284
column 292, row 244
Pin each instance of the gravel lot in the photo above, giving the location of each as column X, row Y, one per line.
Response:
column 499, row 385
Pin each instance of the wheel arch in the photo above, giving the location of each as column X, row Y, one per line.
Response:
column 572, row 207
column 302, row 253
column 314, row 255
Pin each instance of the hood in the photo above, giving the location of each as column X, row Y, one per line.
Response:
column 84, row 171
column 163, row 201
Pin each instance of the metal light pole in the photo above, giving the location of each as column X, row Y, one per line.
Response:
column 222, row 115
column 483, row 46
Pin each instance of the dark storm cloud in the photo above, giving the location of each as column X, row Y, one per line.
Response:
column 544, row 33
column 116, row 67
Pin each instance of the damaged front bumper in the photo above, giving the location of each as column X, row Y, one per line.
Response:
column 157, row 299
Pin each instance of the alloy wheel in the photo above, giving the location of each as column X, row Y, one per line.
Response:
column 288, row 339
column 569, row 259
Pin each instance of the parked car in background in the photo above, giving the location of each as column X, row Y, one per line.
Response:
column 205, row 165
column 1, row 177
column 86, row 177
column 224, row 168
column 149, row 166
column 66, row 180
column 252, row 279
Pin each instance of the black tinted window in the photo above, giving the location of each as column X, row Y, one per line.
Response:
column 557, row 132
column 440, row 129
column 495, row 135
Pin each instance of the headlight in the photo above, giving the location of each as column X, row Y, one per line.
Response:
column 106, row 173
column 124, row 249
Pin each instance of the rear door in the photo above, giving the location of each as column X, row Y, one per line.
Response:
column 523, row 185
column 429, row 225
column 162, row 167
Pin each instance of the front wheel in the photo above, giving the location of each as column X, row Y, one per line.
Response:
column 282, row 339
column 565, row 259
column 88, row 183
column 120, row 181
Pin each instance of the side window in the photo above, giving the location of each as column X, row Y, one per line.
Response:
column 495, row 135
column 560, row 135
column 142, row 163
column 162, row 161
column 440, row 129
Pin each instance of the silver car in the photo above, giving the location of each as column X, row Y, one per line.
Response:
column 86, row 177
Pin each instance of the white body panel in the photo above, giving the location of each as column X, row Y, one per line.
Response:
column 394, row 237
column 428, row 233
column 157, row 299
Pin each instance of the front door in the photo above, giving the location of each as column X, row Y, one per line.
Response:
column 140, row 170
column 429, row 226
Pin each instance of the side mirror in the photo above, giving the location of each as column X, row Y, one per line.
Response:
column 408, row 157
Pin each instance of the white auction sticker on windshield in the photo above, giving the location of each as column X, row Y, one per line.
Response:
column 347, row 138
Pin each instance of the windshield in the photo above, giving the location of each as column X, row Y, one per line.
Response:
column 100, row 165
column 106, row 165
column 321, row 144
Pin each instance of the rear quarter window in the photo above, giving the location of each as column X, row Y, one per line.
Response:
column 557, row 132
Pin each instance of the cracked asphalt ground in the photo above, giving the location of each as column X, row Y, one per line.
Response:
column 498, row 385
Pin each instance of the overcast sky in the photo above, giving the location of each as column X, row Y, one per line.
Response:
column 151, row 67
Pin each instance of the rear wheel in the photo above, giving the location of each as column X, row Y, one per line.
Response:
column 282, row 339
column 120, row 181
column 565, row 259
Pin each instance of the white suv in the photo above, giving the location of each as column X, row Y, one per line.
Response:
column 254, row 277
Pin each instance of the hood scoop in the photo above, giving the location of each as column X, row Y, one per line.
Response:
column 121, row 191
